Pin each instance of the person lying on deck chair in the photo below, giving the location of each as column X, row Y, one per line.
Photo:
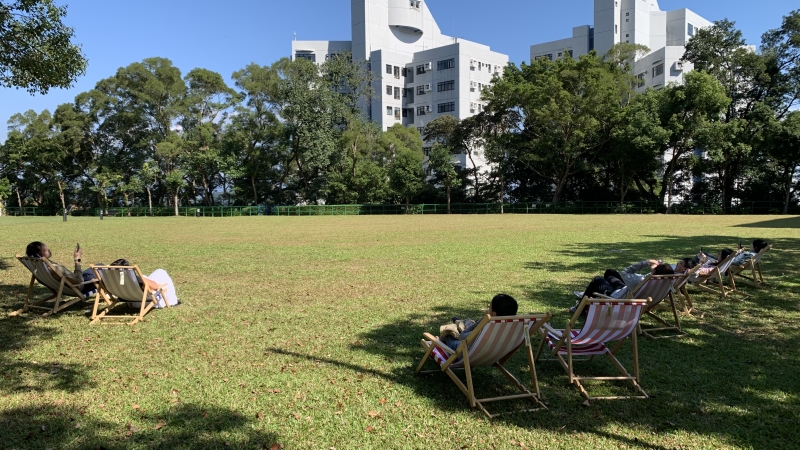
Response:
column 616, row 284
column 38, row 249
column 501, row 305
column 153, row 281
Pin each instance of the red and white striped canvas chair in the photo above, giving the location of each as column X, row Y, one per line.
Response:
column 657, row 288
column 493, row 342
column 42, row 271
column 606, row 321
column 123, row 285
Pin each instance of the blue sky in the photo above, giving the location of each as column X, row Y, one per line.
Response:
column 224, row 36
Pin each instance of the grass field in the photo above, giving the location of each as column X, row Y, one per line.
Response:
column 304, row 332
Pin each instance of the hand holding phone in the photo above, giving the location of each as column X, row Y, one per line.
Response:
column 78, row 253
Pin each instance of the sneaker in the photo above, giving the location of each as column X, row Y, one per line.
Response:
column 578, row 294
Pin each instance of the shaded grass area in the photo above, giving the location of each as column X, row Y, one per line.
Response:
column 305, row 332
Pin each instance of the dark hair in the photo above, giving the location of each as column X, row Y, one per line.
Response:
column 663, row 269
column 34, row 249
column 504, row 305
column 759, row 244
column 121, row 262
column 689, row 263
column 724, row 254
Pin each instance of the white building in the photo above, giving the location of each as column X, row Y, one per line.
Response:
column 419, row 74
column 665, row 33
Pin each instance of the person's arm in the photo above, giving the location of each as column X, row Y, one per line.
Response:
column 636, row 267
column 150, row 283
column 78, row 271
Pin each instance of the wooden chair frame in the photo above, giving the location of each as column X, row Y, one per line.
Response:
column 112, row 292
column 475, row 346
column 590, row 344
column 680, row 288
column 704, row 282
column 756, row 278
column 44, row 272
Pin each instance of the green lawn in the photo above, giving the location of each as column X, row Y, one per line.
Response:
column 304, row 332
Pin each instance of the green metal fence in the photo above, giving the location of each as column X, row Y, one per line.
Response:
column 760, row 208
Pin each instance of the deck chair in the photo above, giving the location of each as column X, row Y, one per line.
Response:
column 120, row 285
column 43, row 271
column 493, row 342
column 656, row 288
column 606, row 321
column 714, row 282
column 756, row 278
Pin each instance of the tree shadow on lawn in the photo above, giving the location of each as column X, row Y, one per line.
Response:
column 181, row 426
column 20, row 332
column 786, row 222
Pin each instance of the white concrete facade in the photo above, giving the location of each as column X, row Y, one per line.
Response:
column 665, row 33
column 419, row 74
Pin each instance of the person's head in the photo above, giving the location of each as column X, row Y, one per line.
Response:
column 684, row 264
column 759, row 244
column 121, row 262
column 38, row 250
column 503, row 305
column 724, row 254
column 663, row 269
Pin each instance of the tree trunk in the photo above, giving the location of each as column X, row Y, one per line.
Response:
column 175, row 203
column 475, row 174
column 149, row 201
column 61, row 196
column 255, row 193
column 19, row 201
column 448, row 195
column 127, row 207
column 407, row 201
column 559, row 188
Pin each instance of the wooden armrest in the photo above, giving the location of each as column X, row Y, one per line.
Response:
column 599, row 295
column 439, row 343
column 547, row 328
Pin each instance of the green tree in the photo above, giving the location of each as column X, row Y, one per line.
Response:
column 404, row 147
column 36, row 52
column 444, row 170
column 5, row 192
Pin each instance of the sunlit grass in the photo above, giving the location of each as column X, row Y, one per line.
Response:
column 305, row 331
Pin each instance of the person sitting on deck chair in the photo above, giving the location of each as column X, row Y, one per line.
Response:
column 502, row 305
column 153, row 281
column 616, row 284
column 38, row 249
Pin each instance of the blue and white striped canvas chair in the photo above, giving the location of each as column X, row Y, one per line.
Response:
column 43, row 272
column 493, row 341
column 123, row 285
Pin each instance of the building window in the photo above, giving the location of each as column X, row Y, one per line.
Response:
column 627, row 20
column 446, row 64
column 690, row 29
column 388, row 90
column 627, row 14
column 641, row 75
column 560, row 54
column 309, row 56
column 569, row 52
column 405, row 112
column 421, row 130
column 420, row 69
column 389, row 110
column 627, row 35
column 420, row 90
column 405, row 92
column 404, row 71
column 426, row 151
column 421, row 110
column 446, row 107
column 446, row 86
column 428, row 171
column 397, row 113
column 616, row 28
column 389, row 69
column 658, row 70
column 397, row 93
column 396, row 72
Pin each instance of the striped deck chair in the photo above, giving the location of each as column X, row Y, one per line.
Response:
column 43, row 271
column 122, row 285
column 493, row 342
column 657, row 288
column 606, row 321
column 756, row 278
column 714, row 281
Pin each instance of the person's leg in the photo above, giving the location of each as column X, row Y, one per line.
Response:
column 615, row 283
column 598, row 284
column 451, row 342
column 612, row 273
column 88, row 275
column 160, row 276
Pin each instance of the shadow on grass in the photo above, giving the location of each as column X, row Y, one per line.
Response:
column 786, row 222
column 737, row 366
column 181, row 427
column 5, row 263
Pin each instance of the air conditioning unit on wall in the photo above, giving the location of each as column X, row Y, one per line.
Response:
column 428, row 66
column 678, row 65
column 427, row 88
